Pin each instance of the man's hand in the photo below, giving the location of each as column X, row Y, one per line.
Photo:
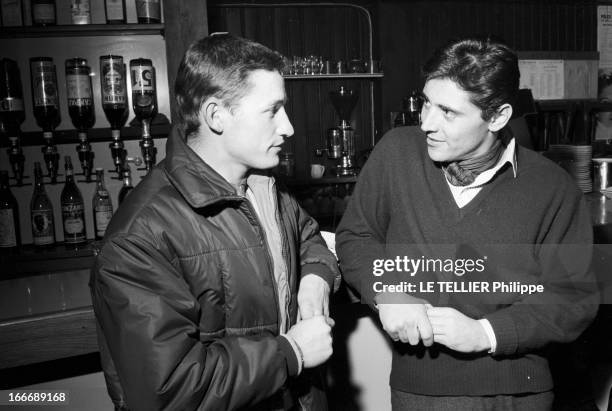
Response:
column 313, row 336
column 313, row 297
column 406, row 320
column 457, row 331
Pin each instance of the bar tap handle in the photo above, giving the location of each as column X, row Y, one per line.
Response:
column 51, row 157
column 137, row 161
column 17, row 160
column 86, row 157
column 149, row 152
column 119, row 154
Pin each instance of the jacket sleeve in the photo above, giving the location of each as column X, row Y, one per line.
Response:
column 149, row 320
column 570, row 299
column 361, row 234
column 315, row 257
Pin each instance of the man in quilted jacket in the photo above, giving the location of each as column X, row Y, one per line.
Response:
column 211, row 287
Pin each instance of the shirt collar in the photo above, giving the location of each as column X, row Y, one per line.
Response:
column 508, row 156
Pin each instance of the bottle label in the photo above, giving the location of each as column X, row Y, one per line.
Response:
column 103, row 215
column 11, row 13
column 143, row 80
column 114, row 10
column 148, row 9
column 8, row 233
column 11, row 104
column 43, row 13
column 44, row 84
column 42, row 227
column 81, row 13
column 78, row 89
column 74, row 223
column 113, row 82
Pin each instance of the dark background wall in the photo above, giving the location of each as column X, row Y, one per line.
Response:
column 404, row 34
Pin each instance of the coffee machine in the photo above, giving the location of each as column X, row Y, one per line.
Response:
column 341, row 139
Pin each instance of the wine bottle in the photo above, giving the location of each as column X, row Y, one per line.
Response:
column 43, row 13
column 148, row 11
column 10, row 236
column 102, row 205
column 73, row 209
column 127, row 184
column 41, row 210
column 115, row 11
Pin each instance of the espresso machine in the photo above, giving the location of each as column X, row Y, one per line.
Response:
column 341, row 139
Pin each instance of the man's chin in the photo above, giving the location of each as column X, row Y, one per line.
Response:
column 437, row 155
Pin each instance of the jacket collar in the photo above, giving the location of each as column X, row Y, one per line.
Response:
column 197, row 182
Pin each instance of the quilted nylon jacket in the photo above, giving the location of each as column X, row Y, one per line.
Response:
column 185, row 297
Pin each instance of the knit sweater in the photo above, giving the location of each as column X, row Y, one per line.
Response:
column 532, row 229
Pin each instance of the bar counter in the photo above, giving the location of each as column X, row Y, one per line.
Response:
column 45, row 305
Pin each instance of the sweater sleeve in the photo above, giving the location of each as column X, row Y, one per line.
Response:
column 149, row 321
column 361, row 234
column 569, row 301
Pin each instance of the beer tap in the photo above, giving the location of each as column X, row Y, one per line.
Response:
column 81, row 109
column 46, row 109
column 144, row 103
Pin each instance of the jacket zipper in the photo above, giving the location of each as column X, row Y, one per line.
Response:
column 264, row 240
column 286, row 262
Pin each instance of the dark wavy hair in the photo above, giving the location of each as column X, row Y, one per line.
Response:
column 218, row 65
column 484, row 67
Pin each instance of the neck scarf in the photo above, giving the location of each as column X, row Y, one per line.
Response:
column 464, row 172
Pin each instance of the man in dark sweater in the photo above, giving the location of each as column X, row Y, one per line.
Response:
column 473, row 250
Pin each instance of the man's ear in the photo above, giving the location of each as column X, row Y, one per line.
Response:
column 211, row 114
column 500, row 118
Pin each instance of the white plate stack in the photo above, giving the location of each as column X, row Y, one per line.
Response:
column 576, row 160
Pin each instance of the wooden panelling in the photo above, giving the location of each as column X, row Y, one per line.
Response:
column 411, row 30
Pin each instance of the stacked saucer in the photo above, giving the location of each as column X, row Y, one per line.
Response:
column 576, row 160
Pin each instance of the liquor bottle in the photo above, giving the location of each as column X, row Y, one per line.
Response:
column 81, row 108
column 12, row 112
column 102, row 205
column 43, row 12
column 148, row 11
column 127, row 183
column 115, row 11
column 144, row 103
column 80, row 11
column 44, row 93
column 114, row 103
column 114, row 91
column 46, row 108
column 41, row 211
column 80, row 94
column 73, row 208
column 144, row 98
column 10, row 236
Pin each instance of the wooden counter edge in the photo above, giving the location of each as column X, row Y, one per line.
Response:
column 47, row 337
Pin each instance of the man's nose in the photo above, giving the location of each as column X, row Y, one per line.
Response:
column 428, row 119
column 285, row 128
